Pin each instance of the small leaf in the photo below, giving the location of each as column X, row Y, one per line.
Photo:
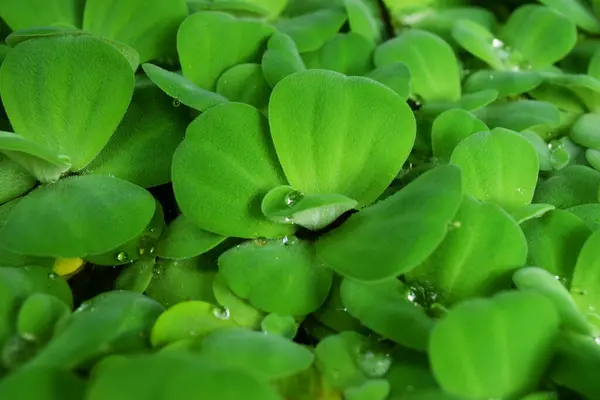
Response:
column 585, row 274
column 569, row 187
column 480, row 42
column 311, row 30
column 286, row 205
column 111, row 323
column 281, row 276
column 520, row 115
column 337, row 360
column 450, row 128
column 542, row 281
column 349, row 54
column 507, row 83
column 182, row 90
column 183, row 239
column 362, row 20
column 432, row 63
column 337, row 134
column 467, row 334
column 283, row 325
column 211, row 42
column 269, row 356
column 529, row 212
column 395, row 76
column 14, row 180
column 245, row 83
column 66, row 93
column 395, row 235
column 374, row 389
column 136, row 277
column 39, row 315
column 498, row 166
column 188, row 320
column 227, row 164
column 114, row 212
column 240, row 310
column 585, row 133
column 149, row 26
column 385, row 308
column 554, row 241
column 474, row 260
column 281, row 59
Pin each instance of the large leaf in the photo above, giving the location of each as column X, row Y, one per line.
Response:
column 478, row 254
column 585, row 276
column 142, row 148
column 541, row 35
column 149, row 26
column 210, row 42
column 111, row 323
column 432, row 63
column 174, row 375
column 311, row 30
column 66, row 93
column 498, row 166
column 525, row 323
column 33, row 13
column 335, row 134
column 86, row 215
column 227, row 164
column 395, row 235
column 385, row 308
column 554, row 241
column 281, row 276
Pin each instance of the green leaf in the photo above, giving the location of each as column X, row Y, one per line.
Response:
column 385, row 308
column 311, row 30
column 14, row 180
column 569, row 187
column 474, row 260
column 398, row 233
column 507, row 83
column 281, row 276
column 498, row 166
column 593, row 158
column 38, row 32
column 175, row 375
column 245, row 8
column 545, row 156
column 211, row 42
column 432, row 63
column 585, row 87
column 183, row 239
column 188, row 320
column 227, row 164
column 410, row 373
column 333, row 313
column 347, row 53
column 66, row 93
column 42, row 384
column 39, row 315
column 450, row 128
column 588, row 213
column 34, row 13
column 362, row 20
column 554, row 241
column 141, row 149
column 542, row 281
column 479, row 41
column 182, row 90
column 526, row 324
column 541, row 35
column 335, row 134
column 111, row 323
column 395, row 76
column 114, row 212
column 577, row 358
column 240, row 310
column 149, row 26
column 277, row 324
column 175, row 281
column 374, row 389
column 44, row 164
column 281, row 58
column 286, row 205
column 577, row 12
column 529, row 212
column 585, row 274
column 267, row 355
column 245, row 83
column 585, row 131
column 136, row 277
column 520, row 115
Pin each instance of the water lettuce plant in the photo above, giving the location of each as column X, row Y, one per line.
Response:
column 299, row 200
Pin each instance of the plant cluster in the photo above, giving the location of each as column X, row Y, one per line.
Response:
column 299, row 200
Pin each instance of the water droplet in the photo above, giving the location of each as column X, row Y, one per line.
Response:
column 374, row 365
column 293, row 197
column 597, row 340
column 53, row 275
column 176, row 102
column 221, row 313
column 457, row 224
column 411, row 296
column 261, row 241
column 122, row 257
column 288, row 220
column 497, row 43
column 561, row 279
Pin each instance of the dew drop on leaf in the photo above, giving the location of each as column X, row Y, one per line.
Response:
column 122, row 257
column 374, row 365
column 561, row 279
column 260, row 241
column 292, row 198
column 221, row 313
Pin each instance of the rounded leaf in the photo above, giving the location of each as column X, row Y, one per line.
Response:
column 281, row 59
column 585, row 274
column 335, row 134
column 245, row 83
column 571, row 186
column 507, row 83
column 311, row 30
column 183, row 239
column 349, row 54
column 450, row 128
column 34, row 13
